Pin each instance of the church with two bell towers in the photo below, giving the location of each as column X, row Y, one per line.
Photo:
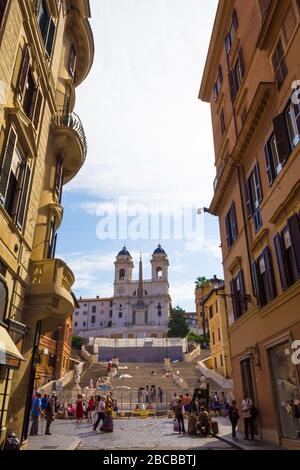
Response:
column 141, row 307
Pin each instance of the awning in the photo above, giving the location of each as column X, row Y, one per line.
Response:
column 8, row 349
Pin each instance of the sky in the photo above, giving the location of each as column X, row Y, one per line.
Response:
column 150, row 162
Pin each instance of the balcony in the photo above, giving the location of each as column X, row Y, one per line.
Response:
column 49, row 297
column 70, row 142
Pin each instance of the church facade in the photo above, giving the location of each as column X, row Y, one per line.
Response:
column 138, row 309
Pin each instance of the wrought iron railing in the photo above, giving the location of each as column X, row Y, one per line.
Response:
column 72, row 121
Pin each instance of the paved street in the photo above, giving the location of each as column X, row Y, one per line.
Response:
column 133, row 434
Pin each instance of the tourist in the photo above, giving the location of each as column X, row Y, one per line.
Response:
column 247, row 405
column 115, row 406
column 35, row 414
column 91, row 409
column 79, row 409
column 234, row 416
column 109, row 366
column 153, row 394
column 203, row 421
column 179, row 410
column 44, row 403
column 108, row 425
column 147, row 394
column 137, row 408
column 50, row 413
column 150, row 406
column 160, row 394
column 187, row 402
column 100, row 411
column 140, row 394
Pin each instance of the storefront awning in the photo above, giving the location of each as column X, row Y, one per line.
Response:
column 8, row 349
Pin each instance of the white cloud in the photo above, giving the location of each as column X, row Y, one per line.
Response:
column 209, row 246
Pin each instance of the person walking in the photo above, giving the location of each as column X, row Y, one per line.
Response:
column 234, row 416
column 247, row 405
column 35, row 414
column 160, row 394
column 50, row 413
column 79, row 409
column 179, row 412
column 100, row 411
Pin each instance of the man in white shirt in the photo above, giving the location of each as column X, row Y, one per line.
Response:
column 100, row 411
column 247, row 405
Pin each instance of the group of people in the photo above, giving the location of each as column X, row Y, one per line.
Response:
column 43, row 408
column 249, row 413
column 193, row 407
column 150, row 394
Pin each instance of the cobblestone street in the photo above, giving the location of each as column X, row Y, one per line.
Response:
column 152, row 434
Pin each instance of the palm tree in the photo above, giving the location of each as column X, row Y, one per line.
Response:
column 202, row 282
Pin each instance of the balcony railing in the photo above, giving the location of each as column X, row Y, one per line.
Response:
column 63, row 119
column 50, row 272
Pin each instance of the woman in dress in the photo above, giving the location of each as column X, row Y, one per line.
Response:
column 79, row 409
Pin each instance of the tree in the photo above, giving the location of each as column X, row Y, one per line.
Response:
column 77, row 342
column 178, row 324
column 202, row 282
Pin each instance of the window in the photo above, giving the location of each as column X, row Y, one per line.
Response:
column 76, row 313
column 47, row 26
column 84, row 324
column 287, row 246
column 58, row 178
column 236, row 76
column 218, row 84
column 211, row 312
column 3, row 300
column 279, row 65
column 231, row 226
column 94, row 309
column 73, row 60
column 222, row 121
column 85, row 312
column 291, row 114
column 221, row 360
column 159, row 273
column 216, row 364
column 93, row 319
column 263, row 278
column 219, row 335
column 239, row 303
column 273, row 163
column 14, row 180
column 3, row 5
column 122, row 274
column 110, row 314
column 213, row 337
column 217, row 306
column 244, row 115
column 283, row 372
column 254, row 197
column 109, row 325
column 76, row 324
column 159, row 310
column 55, row 335
column 110, row 303
column 52, row 239
column 120, row 314
column 230, row 36
column 52, row 361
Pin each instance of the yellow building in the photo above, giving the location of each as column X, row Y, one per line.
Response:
column 46, row 50
column 216, row 315
column 250, row 80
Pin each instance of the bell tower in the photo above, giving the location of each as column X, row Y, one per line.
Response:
column 160, row 264
column 123, row 267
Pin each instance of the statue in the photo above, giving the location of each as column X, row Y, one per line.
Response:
column 91, row 383
column 203, row 383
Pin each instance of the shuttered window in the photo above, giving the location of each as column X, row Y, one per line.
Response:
column 73, row 60
column 239, row 302
column 279, row 64
column 3, row 5
column 236, row 75
column 231, row 34
column 231, row 226
column 52, row 239
column 37, row 109
column 254, row 196
column 287, row 245
column 47, row 25
column 222, row 121
column 58, row 178
column 24, row 70
column 263, row 277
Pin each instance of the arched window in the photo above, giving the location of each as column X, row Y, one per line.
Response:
column 159, row 310
column 134, row 292
column 159, row 273
column 3, row 300
column 122, row 274
column 146, row 292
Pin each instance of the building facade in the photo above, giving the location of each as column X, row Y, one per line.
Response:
column 249, row 81
column 138, row 309
column 46, row 50
column 193, row 324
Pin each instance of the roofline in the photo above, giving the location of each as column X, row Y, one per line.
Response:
column 219, row 31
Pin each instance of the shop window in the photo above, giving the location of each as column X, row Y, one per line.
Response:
column 286, row 390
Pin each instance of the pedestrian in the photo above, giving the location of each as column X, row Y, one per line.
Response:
column 100, row 411
column 35, row 414
column 247, row 405
column 50, row 413
column 147, row 394
column 234, row 417
column 179, row 413
column 160, row 394
column 140, row 392
column 91, row 409
column 187, row 402
column 79, row 409
column 153, row 394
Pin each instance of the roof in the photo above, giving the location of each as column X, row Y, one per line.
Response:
column 124, row 252
column 159, row 251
